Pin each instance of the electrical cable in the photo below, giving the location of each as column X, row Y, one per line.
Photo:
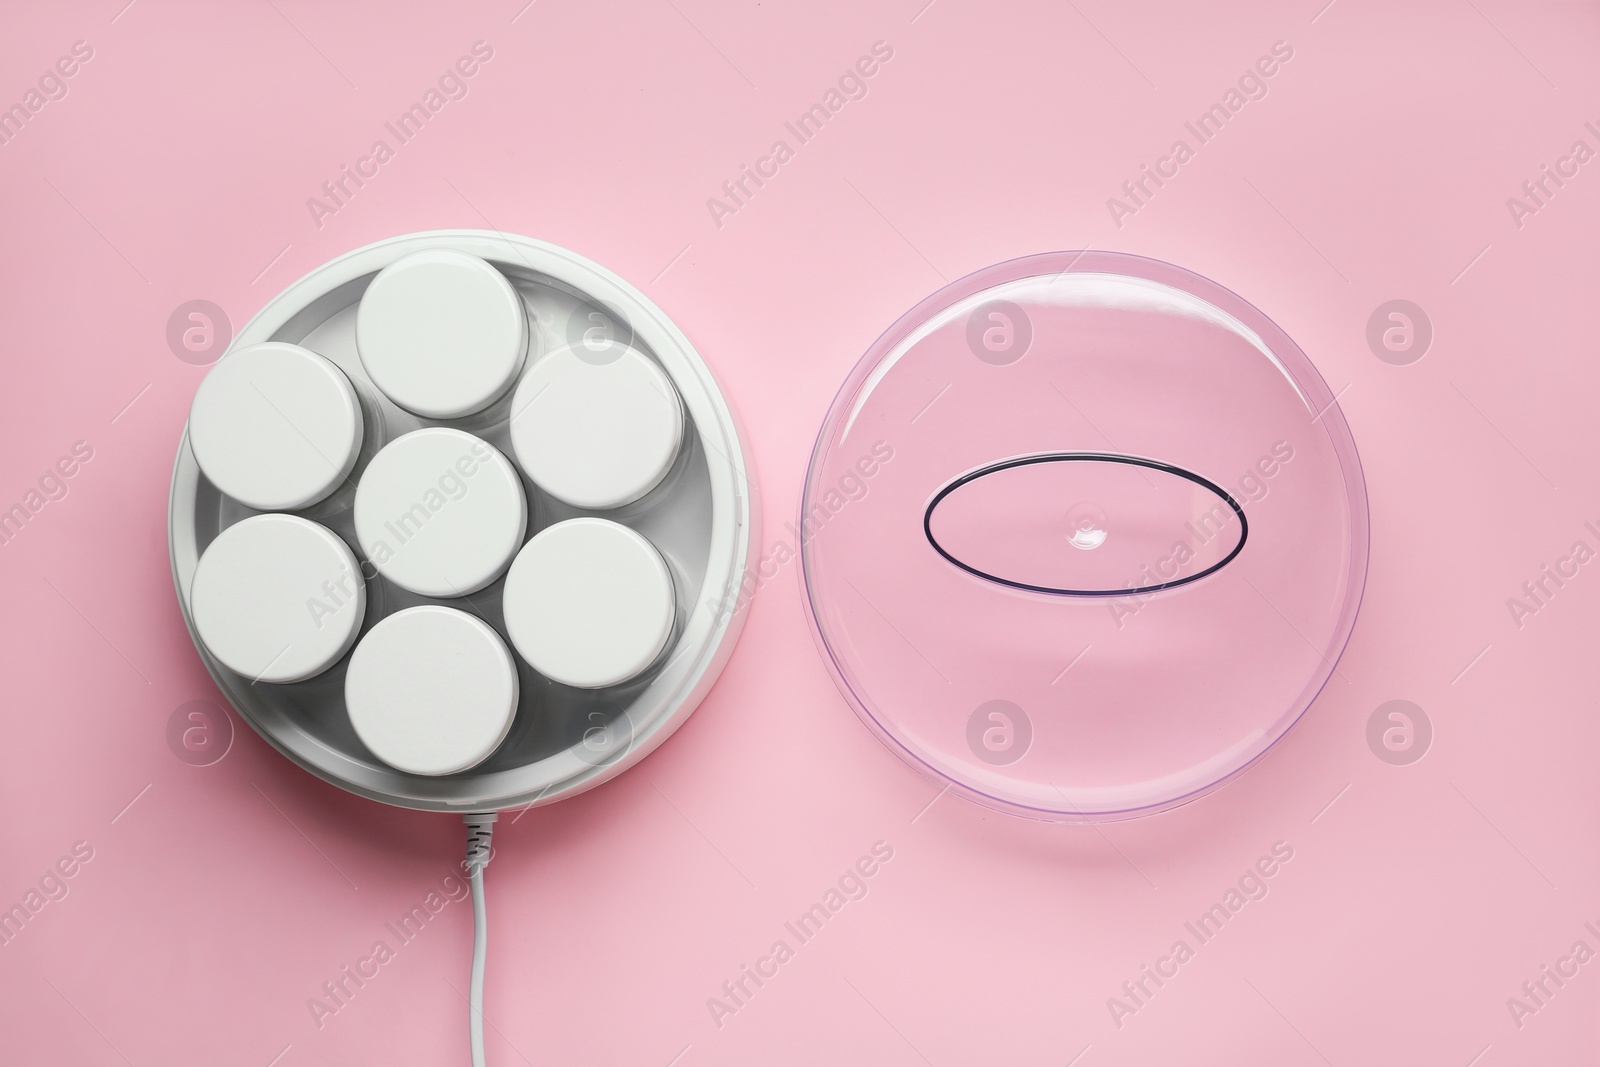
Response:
column 480, row 834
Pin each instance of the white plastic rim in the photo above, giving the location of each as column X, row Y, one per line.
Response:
column 715, row 610
column 431, row 690
column 588, row 603
column 277, row 598
column 596, row 432
column 275, row 426
column 440, row 512
column 442, row 333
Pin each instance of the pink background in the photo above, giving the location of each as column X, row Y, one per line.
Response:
column 220, row 898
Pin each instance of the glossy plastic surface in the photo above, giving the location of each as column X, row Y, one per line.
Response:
column 1085, row 534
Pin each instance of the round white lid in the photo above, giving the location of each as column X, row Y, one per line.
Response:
column 442, row 333
column 588, row 603
column 440, row 512
column 275, row 426
column 596, row 431
column 431, row 690
column 278, row 598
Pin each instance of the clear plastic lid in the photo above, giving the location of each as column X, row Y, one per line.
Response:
column 1083, row 535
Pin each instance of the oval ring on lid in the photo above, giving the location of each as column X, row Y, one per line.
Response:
column 1083, row 536
column 1005, row 522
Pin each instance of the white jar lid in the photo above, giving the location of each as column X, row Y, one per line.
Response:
column 596, row 431
column 277, row 598
column 440, row 512
column 442, row 333
column 275, row 426
column 431, row 690
column 588, row 603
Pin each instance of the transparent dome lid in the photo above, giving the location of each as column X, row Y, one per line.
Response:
column 1083, row 535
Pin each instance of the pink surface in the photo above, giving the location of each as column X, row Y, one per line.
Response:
column 1406, row 902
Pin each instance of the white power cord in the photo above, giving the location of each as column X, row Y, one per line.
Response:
column 480, row 833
